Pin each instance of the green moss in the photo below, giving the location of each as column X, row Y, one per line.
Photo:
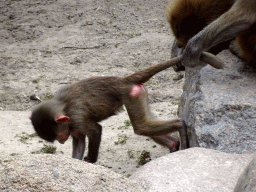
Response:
column 9, row 160
column 33, row 135
column 127, row 123
column 131, row 154
column 128, row 175
column 143, row 158
column 48, row 96
column 48, row 149
column 23, row 138
column 121, row 139
column 14, row 154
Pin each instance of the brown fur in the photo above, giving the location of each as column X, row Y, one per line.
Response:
column 188, row 17
column 76, row 110
column 247, row 44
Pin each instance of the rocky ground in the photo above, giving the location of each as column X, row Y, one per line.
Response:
column 47, row 44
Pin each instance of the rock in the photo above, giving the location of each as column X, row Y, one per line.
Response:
column 48, row 173
column 219, row 106
column 194, row 169
column 247, row 180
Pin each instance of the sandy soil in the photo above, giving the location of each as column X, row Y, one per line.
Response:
column 46, row 44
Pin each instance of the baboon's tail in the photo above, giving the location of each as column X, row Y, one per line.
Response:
column 144, row 75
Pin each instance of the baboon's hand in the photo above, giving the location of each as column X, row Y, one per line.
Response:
column 191, row 53
column 88, row 160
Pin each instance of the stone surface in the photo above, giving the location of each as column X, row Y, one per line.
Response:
column 247, row 180
column 194, row 169
column 219, row 106
column 47, row 173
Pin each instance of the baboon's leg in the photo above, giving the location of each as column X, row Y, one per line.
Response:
column 144, row 123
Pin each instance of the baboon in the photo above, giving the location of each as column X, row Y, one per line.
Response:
column 210, row 25
column 76, row 110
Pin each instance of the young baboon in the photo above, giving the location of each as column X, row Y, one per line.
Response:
column 76, row 110
column 200, row 25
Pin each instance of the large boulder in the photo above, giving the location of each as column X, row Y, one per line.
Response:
column 194, row 169
column 247, row 180
column 219, row 106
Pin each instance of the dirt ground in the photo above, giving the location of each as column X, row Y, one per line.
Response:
column 46, row 44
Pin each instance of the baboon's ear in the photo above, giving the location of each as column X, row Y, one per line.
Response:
column 62, row 119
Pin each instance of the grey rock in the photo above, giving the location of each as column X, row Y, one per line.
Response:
column 44, row 172
column 194, row 169
column 219, row 106
column 247, row 180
